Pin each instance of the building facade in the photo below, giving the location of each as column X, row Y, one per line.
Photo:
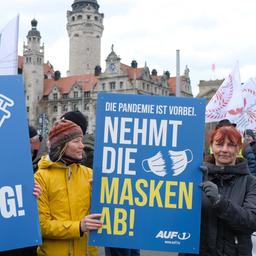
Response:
column 48, row 95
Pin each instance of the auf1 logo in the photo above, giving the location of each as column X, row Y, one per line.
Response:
column 173, row 234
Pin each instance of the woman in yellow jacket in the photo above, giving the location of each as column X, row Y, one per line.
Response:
column 66, row 195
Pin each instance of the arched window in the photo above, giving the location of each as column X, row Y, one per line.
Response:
column 75, row 107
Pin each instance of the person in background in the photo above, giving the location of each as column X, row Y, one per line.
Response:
column 88, row 150
column 247, row 153
column 38, row 146
column 66, row 194
column 229, row 198
column 250, row 138
column 224, row 122
column 78, row 118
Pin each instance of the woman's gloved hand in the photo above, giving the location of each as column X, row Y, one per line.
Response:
column 211, row 191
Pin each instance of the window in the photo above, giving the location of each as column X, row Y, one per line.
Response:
column 103, row 86
column 86, row 107
column 88, row 17
column 96, row 18
column 121, row 85
column 75, row 95
column 55, row 108
column 65, row 96
column 55, row 96
column 27, row 109
column 75, row 107
column 112, row 85
column 64, row 108
column 27, row 97
column 79, row 17
column 87, row 94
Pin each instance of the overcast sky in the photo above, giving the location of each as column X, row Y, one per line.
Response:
column 205, row 32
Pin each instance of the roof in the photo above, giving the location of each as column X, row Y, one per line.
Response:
column 132, row 73
column 79, row 4
column 172, row 83
column 66, row 83
column 48, row 69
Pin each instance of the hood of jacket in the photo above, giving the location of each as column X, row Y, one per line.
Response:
column 46, row 163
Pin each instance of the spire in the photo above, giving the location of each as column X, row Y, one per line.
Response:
column 34, row 31
column 112, row 57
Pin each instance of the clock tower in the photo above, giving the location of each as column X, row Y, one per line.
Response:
column 113, row 62
column 85, row 28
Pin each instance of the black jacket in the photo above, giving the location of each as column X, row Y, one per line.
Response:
column 250, row 157
column 253, row 146
column 29, row 251
column 226, row 227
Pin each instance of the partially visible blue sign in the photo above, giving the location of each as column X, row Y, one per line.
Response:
column 19, row 222
column 148, row 150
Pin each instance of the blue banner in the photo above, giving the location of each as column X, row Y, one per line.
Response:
column 148, row 150
column 19, row 222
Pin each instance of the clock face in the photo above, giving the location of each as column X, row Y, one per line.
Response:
column 112, row 67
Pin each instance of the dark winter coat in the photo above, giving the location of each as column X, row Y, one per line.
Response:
column 226, row 227
column 253, row 146
column 251, row 159
column 29, row 251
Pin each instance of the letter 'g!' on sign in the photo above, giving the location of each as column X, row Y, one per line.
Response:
column 9, row 198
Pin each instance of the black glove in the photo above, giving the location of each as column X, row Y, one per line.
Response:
column 211, row 191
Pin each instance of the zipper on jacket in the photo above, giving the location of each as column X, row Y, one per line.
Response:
column 236, row 240
column 69, row 173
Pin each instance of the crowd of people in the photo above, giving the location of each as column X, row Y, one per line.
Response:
column 63, row 186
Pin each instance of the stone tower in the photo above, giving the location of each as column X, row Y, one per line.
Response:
column 85, row 28
column 33, row 72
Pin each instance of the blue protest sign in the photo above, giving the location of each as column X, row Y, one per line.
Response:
column 19, row 222
column 148, row 150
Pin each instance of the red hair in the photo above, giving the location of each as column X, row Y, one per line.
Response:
column 229, row 132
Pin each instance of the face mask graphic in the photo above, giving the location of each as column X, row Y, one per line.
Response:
column 180, row 159
column 155, row 164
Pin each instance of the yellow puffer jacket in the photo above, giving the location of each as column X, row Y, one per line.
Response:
column 65, row 200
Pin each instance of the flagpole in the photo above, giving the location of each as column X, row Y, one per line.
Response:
column 177, row 73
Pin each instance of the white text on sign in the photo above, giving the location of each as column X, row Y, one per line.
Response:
column 11, row 202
